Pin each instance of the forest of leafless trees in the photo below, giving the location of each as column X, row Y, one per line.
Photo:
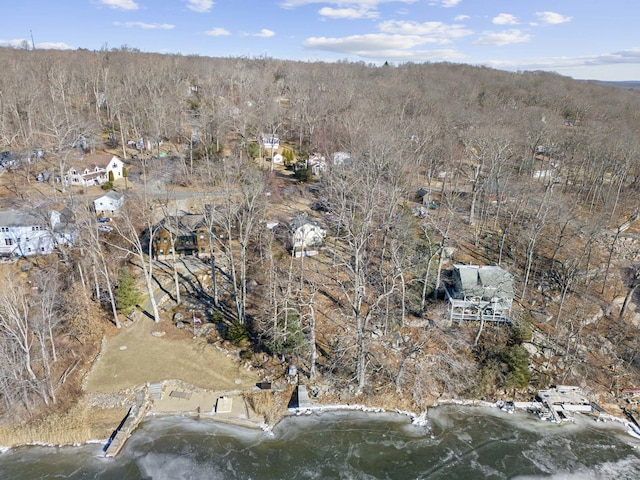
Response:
column 532, row 171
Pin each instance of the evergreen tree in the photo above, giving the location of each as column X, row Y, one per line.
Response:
column 127, row 293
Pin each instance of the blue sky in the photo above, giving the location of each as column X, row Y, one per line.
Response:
column 586, row 39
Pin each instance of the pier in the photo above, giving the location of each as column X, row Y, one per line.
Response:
column 127, row 426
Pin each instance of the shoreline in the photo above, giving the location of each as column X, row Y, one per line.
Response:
column 420, row 420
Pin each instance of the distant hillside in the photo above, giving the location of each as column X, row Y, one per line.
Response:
column 633, row 84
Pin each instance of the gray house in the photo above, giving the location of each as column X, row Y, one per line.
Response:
column 480, row 293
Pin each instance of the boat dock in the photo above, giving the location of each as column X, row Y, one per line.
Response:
column 127, row 426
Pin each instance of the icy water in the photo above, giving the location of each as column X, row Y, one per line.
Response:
column 463, row 443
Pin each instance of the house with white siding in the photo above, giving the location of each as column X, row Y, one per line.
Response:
column 109, row 203
column 95, row 171
column 306, row 236
column 31, row 232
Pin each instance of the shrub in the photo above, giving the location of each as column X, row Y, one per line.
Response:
column 217, row 316
column 303, row 174
column 107, row 185
column 253, row 150
column 237, row 333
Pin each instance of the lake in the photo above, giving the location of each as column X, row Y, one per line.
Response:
column 460, row 443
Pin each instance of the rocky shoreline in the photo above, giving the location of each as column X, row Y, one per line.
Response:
column 193, row 401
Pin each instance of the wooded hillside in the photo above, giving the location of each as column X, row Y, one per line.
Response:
column 532, row 171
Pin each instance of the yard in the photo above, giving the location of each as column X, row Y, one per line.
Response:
column 134, row 356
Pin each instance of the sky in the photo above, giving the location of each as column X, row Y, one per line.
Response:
column 583, row 39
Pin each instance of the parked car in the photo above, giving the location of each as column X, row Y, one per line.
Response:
column 105, row 228
column 104, row 219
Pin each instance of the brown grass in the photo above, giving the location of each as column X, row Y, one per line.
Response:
column 271, row 404
column 78, row 425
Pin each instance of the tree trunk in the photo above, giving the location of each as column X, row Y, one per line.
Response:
column 627, row 299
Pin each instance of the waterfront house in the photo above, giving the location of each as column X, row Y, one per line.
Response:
column 480, row 292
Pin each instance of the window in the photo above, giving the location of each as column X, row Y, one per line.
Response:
column 42, row 249
column 161, row 251
column 8, row 241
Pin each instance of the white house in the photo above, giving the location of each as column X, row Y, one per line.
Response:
column 25, row 232
column 342, row 158
column 306, row 235
column 109, row 203
column 317, row 164
column 270, row 142
column 97, row 174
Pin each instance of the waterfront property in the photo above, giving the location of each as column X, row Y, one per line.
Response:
column 480, row 293
column 562, row 401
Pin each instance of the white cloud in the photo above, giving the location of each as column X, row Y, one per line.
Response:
column 436, row 31
column 631, row 56
column 16, row 42
column 23, row 42
column 552, row 18
column 217, row 32
column 264, row 33
column 368, row 43
column 347, row 13
column 121, row 4
column 145, row 26
column 449, row 3
column 54, row 46
column 383, row 47
column 357, row 4
column 500, row 39
column 505, row 19
column 461, row 18
column 200, row 6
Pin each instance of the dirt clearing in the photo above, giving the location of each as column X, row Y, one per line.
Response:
column 133, row 356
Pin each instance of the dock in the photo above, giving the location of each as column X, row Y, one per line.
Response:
column 300, row 398
column 127, row 426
